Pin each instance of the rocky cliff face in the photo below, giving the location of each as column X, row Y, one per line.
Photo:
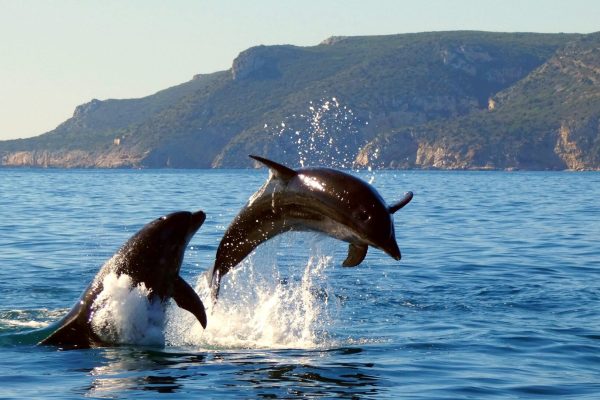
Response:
column 577, row 145
column 547, row 120
column 72, row 159
column 251, row 63
column 451, row 100
column 260, row 62
column 573, row 146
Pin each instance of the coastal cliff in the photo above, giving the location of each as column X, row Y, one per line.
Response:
column 444, row 100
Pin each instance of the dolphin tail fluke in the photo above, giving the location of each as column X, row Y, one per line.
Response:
column 186, row 298
column 356, row 253
column 405, row 200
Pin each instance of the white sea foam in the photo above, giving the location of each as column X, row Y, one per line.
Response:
column 260, row 307
column 257, row 308
column 13, row 323
column 30, row 318
column 123, row 314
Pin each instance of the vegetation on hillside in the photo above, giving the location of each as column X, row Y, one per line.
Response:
column 411, row 98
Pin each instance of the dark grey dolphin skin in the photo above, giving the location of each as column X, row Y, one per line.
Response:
column 309, row 199
column 153, row 256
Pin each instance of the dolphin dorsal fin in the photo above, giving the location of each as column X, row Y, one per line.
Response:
column 405, row 200
column 280, row 171
column 356, row 253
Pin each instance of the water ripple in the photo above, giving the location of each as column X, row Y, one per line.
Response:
column 496, row 296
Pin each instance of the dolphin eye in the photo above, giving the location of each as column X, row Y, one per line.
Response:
column 363, row 216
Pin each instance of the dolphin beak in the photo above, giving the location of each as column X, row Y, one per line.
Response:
column 392, row 250
column 196, row 222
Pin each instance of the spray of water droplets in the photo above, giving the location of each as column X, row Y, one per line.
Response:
column 261, row 307
column 123, row 314
column 328, row 134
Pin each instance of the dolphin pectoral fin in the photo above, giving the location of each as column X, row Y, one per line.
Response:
column 280, row 171
column 186, row 298
column 356, row 253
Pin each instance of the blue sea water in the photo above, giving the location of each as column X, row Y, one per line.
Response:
column 497, row 294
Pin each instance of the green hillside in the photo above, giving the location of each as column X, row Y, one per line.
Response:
column 396, row 101
column 548, row 120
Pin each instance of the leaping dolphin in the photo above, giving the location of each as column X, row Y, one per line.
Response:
column 309, row 199
column 153, row 256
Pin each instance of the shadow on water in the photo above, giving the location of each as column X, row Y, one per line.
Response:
column 340, row 379
column 262, row 374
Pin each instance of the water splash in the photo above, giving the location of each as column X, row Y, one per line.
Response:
column 329, row 134
column 315, row 136
column 259, row 308
column 123, row 314
column 265, row 303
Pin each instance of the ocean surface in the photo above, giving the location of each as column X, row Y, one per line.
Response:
column 497, row 294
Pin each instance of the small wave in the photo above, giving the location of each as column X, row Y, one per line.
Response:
column 26, row 327
column 12, row 323
column 28, row 319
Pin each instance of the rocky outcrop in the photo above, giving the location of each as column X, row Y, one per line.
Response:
column 333, row 40
column 248, row 63
column 577, row 145
column 45, row 159
column 86, row 108
column 255, row 63
column 71, row 159
column 440, row 157
column 406, row 151
column 568, row 149
column 452, row 100
column 465, row 58
column 401, row 152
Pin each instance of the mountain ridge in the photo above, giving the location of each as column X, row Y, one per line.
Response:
column 424, row 100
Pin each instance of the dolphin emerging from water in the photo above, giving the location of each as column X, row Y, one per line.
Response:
column 153, row 256
column 309, row 199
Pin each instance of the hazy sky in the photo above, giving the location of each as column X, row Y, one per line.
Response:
column 57, row 54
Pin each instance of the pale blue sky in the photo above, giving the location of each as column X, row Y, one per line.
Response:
column 57, row 54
